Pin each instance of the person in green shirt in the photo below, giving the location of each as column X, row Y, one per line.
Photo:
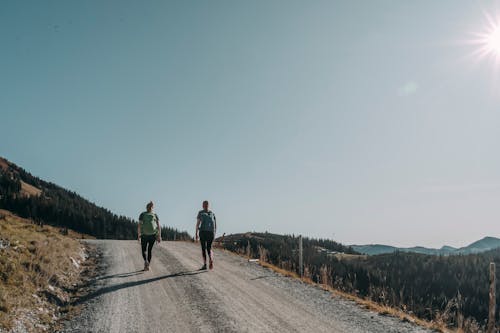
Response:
column 148, row 231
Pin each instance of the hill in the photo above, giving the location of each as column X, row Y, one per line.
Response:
column 264, row 244
column 374, row 249
column 482, row 245
column 47, row 203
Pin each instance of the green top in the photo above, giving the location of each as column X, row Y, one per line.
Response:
column 148, row 220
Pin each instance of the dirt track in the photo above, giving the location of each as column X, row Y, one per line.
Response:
column 237, row 296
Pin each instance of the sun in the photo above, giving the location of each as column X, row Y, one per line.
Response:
column 492, row 42
column 488, row 40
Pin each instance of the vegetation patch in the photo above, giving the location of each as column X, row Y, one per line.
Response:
column 37, row 273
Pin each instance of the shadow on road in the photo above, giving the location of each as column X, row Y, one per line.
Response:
column 121, row 275
column 261, row 277
column 116, row 287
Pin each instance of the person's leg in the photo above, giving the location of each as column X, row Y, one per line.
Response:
column 144, row 244
column 151, row 242
column 210, row 239
column 203, row 242
column 143, row 247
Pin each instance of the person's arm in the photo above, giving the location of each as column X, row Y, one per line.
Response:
column 197, row 226
column 139, row 231
column 139, row 228
column 158, row 237
column 215, row 225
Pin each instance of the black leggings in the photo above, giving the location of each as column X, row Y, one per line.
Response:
column 147, row 241
column 206, row 239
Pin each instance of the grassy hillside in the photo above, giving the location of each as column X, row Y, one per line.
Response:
column 38, row 265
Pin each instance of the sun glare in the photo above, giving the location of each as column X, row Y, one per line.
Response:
column 488, row 40
column 493, row 41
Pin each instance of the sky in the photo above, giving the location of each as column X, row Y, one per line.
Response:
column 360, row 121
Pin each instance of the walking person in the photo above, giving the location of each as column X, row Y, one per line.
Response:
column 148, row 231
column 206, row 226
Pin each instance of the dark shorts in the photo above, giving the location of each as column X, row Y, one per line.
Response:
column 147, row 242
column 207, row 235
column 206, row 239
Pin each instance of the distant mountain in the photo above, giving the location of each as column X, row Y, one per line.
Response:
column 374, row 249
column 448, row 248
column 482, row 245
column 45, row 202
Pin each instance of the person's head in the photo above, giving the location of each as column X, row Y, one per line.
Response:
column 149, row 206
column 205, row 205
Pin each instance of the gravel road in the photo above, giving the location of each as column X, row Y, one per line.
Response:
column 237, row 296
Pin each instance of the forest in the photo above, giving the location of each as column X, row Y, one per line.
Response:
column 452, row 289
column 59, row 207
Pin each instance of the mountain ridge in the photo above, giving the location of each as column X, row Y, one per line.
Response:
column 484, row 244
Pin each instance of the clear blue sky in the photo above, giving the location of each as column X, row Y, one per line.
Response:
column 362, row 121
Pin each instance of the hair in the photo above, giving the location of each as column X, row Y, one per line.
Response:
column 205, row 202
column 149, row 205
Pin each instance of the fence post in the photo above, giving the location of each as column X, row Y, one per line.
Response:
column 301, row 262
column 492, row 311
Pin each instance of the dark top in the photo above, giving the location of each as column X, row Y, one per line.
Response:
column 207, row 219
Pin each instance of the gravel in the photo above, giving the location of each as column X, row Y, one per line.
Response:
column 237, row 296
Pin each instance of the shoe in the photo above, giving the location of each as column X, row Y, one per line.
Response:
column 211, row 265
column 146, row 265
column 204, row 267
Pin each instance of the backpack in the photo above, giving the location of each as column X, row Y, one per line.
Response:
column 207, row 220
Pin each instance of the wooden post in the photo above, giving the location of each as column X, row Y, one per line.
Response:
column 301, row 263
column 492, row 311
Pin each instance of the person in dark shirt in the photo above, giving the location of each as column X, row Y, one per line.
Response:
column 206, row 226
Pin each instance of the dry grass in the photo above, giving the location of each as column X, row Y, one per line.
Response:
column 386, row 310
column 29, row 190
column 4, row 164
column 34, row 268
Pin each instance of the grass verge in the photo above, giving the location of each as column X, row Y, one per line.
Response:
column 365, row 303
column 39, row 267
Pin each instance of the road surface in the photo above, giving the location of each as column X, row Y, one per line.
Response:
column 237, row 296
